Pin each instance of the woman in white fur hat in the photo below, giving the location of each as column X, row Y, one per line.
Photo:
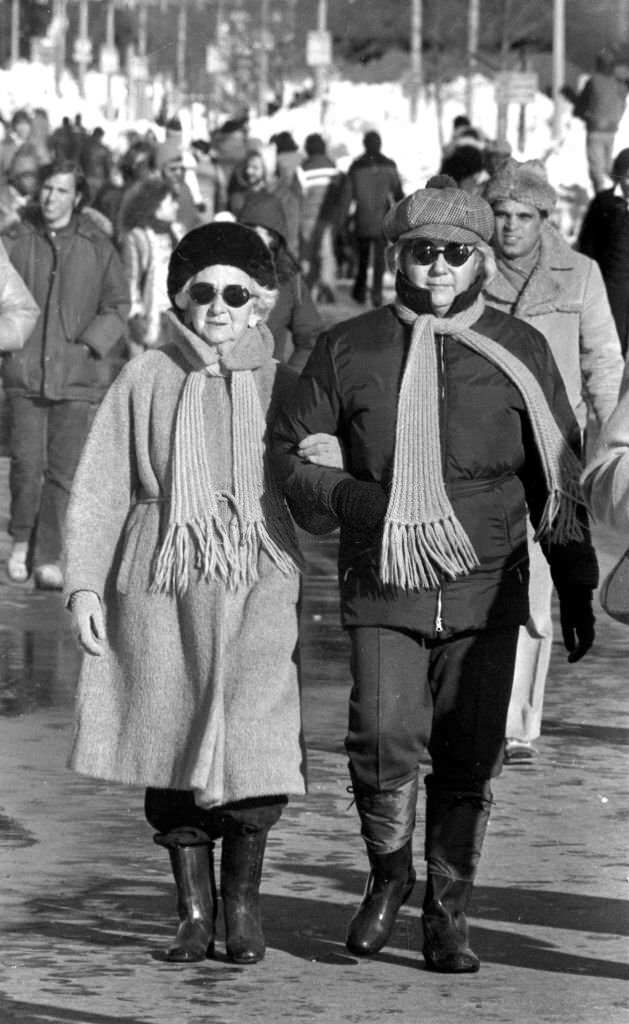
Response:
column 453, row 419
column 178, row 544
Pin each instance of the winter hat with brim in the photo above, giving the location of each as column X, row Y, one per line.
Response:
column 264, row 210
column 525, row 182
column 440, row 211
column 231, row 245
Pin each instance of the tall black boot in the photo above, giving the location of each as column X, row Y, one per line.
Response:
column 389, row 885
column 193, row 871
column 444, row 923
column 456, row 821
column 241, row 871
column 387, row 822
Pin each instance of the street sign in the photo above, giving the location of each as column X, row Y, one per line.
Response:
column 516, row 86
column 82, row 50
column 138, row 68
column 318, row 49
column 109, row 61
column 214, row 60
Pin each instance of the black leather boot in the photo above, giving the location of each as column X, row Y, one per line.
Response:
column 241, row 870
column 446, row 946
column 389, row 885
column 193, row 871
column 456, row 822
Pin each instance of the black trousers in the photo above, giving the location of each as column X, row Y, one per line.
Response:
column 412, row 697
column 364, row 248
column 171, row 811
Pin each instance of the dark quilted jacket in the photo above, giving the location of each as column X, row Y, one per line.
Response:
column 350, row 387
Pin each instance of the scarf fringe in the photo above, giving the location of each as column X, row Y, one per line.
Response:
column 415, row 556
column 220, row 555
column 560, row 521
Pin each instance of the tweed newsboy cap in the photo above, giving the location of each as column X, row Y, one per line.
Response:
column 231, row 245
column 440, row 211
column 523, row 182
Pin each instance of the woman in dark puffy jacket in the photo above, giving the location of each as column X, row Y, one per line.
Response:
column 294, row 321
column 453, row 419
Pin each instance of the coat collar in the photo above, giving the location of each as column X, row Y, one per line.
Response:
column 545, row 285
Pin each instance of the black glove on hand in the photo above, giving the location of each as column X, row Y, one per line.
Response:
column 359, row 504
column 577, row 620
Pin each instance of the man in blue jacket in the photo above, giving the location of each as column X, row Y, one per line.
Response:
column 54, row 384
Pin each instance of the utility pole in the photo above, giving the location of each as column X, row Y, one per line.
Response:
column 83, row 36
column 559, row 62
column 15, row 31
column 263, row 58
column 473, row 23
column 321, row 70
column 182, row 41
column 110, row 40
column 416, row 56
column 61, row 26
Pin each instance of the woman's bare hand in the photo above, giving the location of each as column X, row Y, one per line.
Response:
column 322, row 450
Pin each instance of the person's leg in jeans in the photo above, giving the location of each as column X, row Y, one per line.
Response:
column 28, row 419
column 599, row 148
column 363, row 248
column 68, row 426
column 379, row 246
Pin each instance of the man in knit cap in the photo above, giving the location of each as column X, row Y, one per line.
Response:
column 453, row 419
column 543, row 281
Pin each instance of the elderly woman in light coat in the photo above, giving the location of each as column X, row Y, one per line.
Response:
column 182, row 581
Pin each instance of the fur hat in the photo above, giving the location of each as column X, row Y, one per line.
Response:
column 231, row 245
column 262, row 209
column 440, row 211
column 525, row 182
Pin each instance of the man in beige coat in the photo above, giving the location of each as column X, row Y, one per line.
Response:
column 543, row 281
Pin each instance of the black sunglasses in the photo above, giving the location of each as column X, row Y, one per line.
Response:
column 234, row 295
column 454, row 253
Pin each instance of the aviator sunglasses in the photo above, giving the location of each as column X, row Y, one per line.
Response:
column 234, row 295
column 454, row 253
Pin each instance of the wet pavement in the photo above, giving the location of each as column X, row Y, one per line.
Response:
column 88, row 904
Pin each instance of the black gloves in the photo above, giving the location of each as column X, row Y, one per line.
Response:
column 359, row 504
column 577, row 619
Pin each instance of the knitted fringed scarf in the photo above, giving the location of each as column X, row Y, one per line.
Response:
column 197, row 539
column 423, row 539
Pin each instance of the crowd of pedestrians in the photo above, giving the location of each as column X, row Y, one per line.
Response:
column 173, row 396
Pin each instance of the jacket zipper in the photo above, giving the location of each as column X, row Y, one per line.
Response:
column 438, row 623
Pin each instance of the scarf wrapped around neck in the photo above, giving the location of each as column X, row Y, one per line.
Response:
column 198, row 536
column 423, row 540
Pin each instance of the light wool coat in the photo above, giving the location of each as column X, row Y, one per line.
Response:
column 566, row 300
column 198, row 691
column 605, row 480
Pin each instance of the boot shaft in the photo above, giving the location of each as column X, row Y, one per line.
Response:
column 242, row 858
column 456, row 823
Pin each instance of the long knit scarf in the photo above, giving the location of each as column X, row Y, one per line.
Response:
column 423, row 540
column 200, row 536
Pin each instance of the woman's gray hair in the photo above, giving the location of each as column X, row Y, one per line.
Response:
column 395, row 253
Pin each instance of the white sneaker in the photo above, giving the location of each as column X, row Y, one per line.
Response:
column 48, row 577
column 519, row 751
column 17, row 569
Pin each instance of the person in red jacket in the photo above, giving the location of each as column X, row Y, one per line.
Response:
column 54, row 384
column 453, row 419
